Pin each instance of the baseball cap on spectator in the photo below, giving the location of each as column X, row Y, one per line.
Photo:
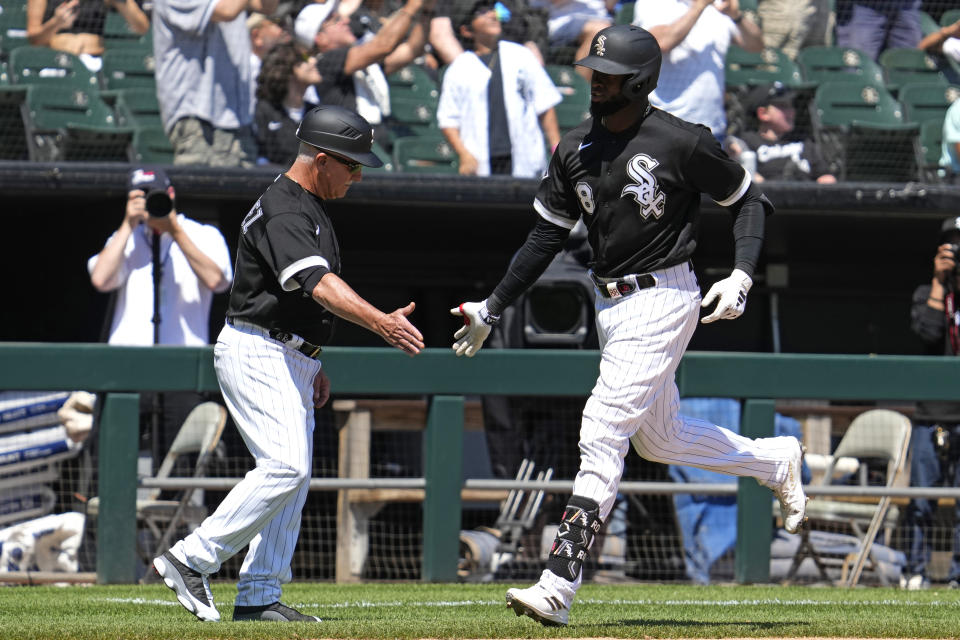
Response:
column 766, row 94
column 467, row 10
column 310, row 19
column 949, row 227
column 147, row 180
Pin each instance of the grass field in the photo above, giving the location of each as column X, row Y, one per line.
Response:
column 404, row 610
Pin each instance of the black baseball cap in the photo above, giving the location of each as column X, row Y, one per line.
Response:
column 949, row 227
column 766, row 94
column 148, row 180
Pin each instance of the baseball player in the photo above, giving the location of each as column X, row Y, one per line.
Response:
column 634, row 175
column 281, row 310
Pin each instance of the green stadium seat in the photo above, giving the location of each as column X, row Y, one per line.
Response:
column 926, row 100
column 412, row 117
column 425, row 154
column 931, row 147
column 128, row 69
column 138, row 107
column 428, row 93
column 624, row 14
column 901, row 65
column 13, row 27
column 412, row 74
column 575, row 89
column 13, row 135
column 151, row 145
column 118, row 35
column 385, row 157
column 65, row 123
column 949, row 17
column 927, row 24
column 823, row 64
column 743, row 68
column 46, row 66
column 865, row 124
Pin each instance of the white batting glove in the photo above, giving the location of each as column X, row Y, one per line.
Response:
column 477, row 323
column 732, row 294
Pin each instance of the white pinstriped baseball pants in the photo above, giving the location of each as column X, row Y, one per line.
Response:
column 268, row 389
column 635, row 400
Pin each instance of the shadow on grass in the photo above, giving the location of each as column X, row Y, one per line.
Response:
column 678, row 624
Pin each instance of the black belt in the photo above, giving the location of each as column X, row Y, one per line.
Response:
column 623, row 286
column 306, row 348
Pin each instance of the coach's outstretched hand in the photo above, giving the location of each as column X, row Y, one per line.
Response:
column 477, row 323
column 400, row 332
column 732, row 294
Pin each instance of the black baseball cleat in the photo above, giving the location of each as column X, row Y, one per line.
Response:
column 276, row 612
column 191, row 587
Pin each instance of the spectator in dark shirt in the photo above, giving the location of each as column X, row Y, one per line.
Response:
column 288, row 69
column 771, row 151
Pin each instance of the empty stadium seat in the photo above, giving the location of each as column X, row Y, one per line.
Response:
column 901, row 66
column 926, row 100
column 824, row 64
column 13, row 28
column 128, row 69
column 949, row 17
column 575, row 90
column 150, row 144
column 43, row 65
column 412, row 117
column 118, row 35
column 863, row 123
column 66, row 123
column 385, row 157
column 930, row 150
column 743, row 68
column 138, row 107
column 424, row 154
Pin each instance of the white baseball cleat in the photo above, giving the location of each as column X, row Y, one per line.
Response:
column 539, row 604
column 793, row 501
column 191, row 587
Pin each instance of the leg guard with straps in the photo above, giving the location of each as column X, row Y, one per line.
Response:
column 581, row 522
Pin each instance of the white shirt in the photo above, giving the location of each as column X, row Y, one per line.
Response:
column 691, row 84
column 184, row 300
column 527, row 93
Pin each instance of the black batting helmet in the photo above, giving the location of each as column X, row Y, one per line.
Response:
column 625, row 49
column 340, row 131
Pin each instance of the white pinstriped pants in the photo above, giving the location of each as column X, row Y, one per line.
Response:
column 642, row 338
column 269, row 391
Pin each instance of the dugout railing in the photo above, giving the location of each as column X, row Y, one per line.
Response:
column 122, row 372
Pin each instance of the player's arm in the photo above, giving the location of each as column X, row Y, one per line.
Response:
column 543, row 243
column 340, row 299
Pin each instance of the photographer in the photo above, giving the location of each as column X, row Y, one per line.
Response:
column 192, row 263
column 935, row 443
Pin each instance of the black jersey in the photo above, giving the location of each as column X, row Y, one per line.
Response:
column 286, row 245
column 638, row 191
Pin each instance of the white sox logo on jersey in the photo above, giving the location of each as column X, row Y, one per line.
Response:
column 646, row 191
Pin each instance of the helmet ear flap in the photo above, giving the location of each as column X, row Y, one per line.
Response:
column 637, row 86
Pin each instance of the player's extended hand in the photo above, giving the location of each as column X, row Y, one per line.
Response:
column 321, row 389
column 477, row 323
column 732, row 295
column 400, row 332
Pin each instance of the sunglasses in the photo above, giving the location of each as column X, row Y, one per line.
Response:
column 352, row 166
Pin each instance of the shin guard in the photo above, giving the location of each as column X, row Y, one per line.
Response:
column 581, row 522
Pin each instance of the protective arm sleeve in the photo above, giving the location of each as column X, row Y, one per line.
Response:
column 544, row 242
column 749, row 213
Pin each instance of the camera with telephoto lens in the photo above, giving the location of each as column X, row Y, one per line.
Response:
column 158, row 203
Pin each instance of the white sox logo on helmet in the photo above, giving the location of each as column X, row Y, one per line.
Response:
column 598, row 48
column 646, row 191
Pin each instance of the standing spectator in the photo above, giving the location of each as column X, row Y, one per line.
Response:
column 202, row 54
column 267, row 359
column 193, row 263
column 875, row 25
column 950, row 146
column 776, row 154
column 76, row 26
column 354, row 73
column 791, row 25
column 935, row 443
column 287, row 72
column 571, row 24
column 496, row 101
column 694, row 36
column 265, row 33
